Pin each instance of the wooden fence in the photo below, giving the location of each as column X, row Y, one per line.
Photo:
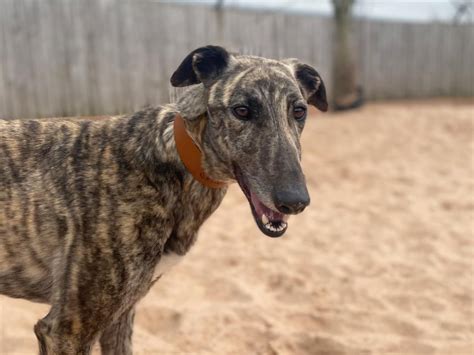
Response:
column 89, row 57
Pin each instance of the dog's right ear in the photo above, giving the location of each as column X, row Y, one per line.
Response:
column 202, row 65
column 310, row 82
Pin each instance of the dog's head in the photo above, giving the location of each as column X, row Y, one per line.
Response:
column 247, row 117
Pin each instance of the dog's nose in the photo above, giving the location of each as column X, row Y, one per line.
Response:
column 290, row 202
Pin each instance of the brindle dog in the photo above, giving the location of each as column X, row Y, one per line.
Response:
column 90, row 211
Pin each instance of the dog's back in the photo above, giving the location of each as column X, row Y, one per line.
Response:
column 60, row 182
column 34, row 189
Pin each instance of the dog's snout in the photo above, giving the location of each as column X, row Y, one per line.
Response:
column 291, row 202
column 292, row 208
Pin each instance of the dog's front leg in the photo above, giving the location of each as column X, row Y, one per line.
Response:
column 117, row 337
column 55, row 336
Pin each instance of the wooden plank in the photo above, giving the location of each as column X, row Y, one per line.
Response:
column 5, row 110
column 94, row 57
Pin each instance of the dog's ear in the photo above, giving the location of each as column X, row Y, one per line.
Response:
column 311, row 84
column 202, row 65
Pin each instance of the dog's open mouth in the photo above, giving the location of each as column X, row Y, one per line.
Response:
column 271, row 223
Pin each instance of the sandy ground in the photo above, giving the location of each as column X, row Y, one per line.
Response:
column 380, row 263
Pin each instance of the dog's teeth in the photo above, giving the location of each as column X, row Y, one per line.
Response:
column 275, row 228
column 264, row 219
column 285, row 217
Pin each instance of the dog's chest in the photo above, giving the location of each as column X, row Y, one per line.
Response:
column 167, row 261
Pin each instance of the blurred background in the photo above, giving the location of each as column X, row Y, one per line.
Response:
column 94, row 57
column 382, row 262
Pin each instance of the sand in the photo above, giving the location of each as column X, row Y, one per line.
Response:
column 380, row 263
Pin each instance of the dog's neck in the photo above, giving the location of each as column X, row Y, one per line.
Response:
column 153, row 140
column 155, row 155
column 191, row 155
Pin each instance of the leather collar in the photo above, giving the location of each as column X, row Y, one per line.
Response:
column 191, row 155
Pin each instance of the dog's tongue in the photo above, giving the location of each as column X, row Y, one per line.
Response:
column 261, row 210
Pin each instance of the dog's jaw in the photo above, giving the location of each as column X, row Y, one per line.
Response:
column 271, row 223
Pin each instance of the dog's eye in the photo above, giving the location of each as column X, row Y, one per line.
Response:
column 299, row 113
column 241, row 112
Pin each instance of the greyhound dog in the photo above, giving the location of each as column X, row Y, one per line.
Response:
column 92, row 212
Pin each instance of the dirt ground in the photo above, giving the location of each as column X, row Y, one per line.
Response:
column 380, row 263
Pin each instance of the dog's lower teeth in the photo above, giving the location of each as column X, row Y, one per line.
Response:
column 264, row 219
column 275, row 227
column 269, row 226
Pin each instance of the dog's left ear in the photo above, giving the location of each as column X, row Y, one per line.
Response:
column 202, row 65
column 310, row 83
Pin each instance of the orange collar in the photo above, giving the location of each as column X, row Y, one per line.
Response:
column 191, row 155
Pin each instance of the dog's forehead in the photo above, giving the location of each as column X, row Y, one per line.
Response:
column 254, row 60
column 260, row 73
column 262, row 68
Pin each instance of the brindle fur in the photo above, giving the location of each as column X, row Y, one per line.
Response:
column 88, row 208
